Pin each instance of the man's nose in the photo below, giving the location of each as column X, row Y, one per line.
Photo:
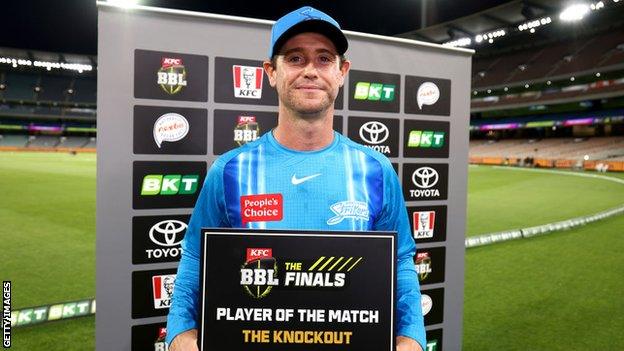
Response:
column 310, row 71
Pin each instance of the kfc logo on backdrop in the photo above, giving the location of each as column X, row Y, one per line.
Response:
column 247, row 82
column 261, row 208
column 163, row 290
column 423, row 224
column 254, row 254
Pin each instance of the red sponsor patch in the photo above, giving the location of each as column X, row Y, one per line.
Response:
column 167, row 62
column 256, row 253
column 421, row 256
column 261, row 208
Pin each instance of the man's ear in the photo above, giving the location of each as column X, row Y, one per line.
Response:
column 270, row 72
column 344, row 69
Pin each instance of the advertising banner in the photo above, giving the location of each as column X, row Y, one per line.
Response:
column 294, row 290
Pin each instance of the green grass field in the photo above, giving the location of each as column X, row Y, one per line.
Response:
column 555, row 292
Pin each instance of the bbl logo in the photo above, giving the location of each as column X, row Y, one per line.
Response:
column 172, row 75
column 247, row 129
column 159, row 343
column 423, row 265
column 259, row 272
column 247, row 82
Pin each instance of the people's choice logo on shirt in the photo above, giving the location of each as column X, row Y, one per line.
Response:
column 348, row 209
column 261, row 208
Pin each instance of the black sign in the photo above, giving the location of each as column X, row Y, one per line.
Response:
column 396, row 167
column 169, row 130
column 428, row 223
column 338, row 124
column 374, row 91
column 426, row 139
column 236, row 128
column 427, row 96
column 152, row 292
column 430, row 265
column 291, row 290
column 425, row 181
column 240, row 81
column 149, row 337
column 158, row 238
column 434, row 340
column 381, row 134
column 166, row 184
column 432, row 302
column 170, row 76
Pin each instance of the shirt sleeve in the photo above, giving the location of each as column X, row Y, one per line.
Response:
column 393, row 217
column 209, row 211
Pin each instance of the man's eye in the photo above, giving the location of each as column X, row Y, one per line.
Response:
column 295, row 59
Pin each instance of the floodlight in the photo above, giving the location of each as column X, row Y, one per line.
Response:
column 124, row 3
column 574, row 12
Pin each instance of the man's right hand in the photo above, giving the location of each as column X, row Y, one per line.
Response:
column 186, row 341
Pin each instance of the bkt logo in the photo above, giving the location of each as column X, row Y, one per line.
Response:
column 246, row 130
column 163, row 290
column 374, row 91
column 374, row 132
column 172, row 75
column 167, row 233
column 247, row 82
column 426, row 139
column 170, row 184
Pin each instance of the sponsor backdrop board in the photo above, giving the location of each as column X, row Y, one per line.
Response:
column 177, row 89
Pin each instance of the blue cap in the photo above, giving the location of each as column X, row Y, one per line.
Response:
column 306, row 19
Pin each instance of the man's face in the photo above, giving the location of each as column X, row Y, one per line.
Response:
column 307, row 74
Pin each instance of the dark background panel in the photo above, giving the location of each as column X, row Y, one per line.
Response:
column 224, row 83
column 226, row 122
column 148, row 63
column 141, row 241
column 143, row 168
column 437, row 259
column 356, row 76
column 426, row 152
column 386, row 128
column 436, row 315
column 439, row 226
column 194, row 143
column 145, row 336
column 442, row 107
column 143, row 294
column 434, row 340
column 412, row 192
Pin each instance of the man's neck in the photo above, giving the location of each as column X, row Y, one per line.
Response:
column 304, row 133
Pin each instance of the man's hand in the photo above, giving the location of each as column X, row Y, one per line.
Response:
column 404, row 343
column 186, row 341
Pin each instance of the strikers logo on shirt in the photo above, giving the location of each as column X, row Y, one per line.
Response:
column 247, row 82
column 163, row 290
column 424, row 224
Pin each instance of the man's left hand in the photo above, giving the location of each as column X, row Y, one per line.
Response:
column 404, row 343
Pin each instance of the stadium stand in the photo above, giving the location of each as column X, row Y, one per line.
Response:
column 13, row 141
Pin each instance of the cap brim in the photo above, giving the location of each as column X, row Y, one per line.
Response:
column 316, row 26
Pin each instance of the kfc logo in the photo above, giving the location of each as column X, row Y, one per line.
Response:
column 163, row 290
column 247, row 82
column 423, row 224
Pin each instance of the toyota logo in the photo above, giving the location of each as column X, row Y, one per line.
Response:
column 374, row 132
column 425, row 177
column 165, row 233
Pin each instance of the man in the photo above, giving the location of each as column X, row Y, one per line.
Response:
column 325, row 181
